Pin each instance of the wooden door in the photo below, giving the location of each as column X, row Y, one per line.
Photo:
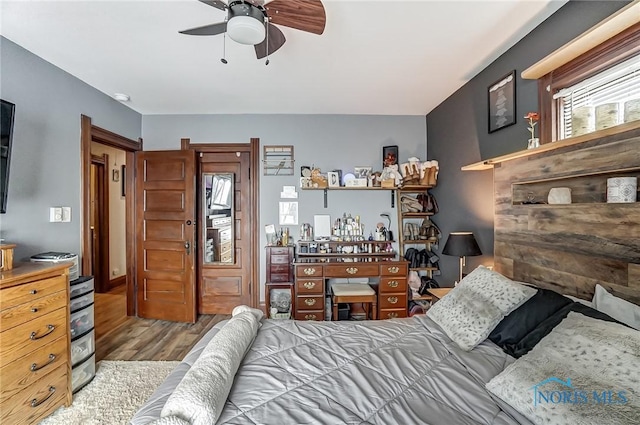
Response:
column 165, row 235
column 224, row 286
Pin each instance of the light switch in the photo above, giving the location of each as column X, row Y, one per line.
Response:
column 55, row 214
column 66, row 214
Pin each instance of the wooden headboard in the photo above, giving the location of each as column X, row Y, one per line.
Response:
column 570, row 248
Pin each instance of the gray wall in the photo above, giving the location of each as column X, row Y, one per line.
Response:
column 457, row 129
column 326, row 141
column 45, row 159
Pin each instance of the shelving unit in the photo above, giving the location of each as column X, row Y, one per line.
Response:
column 327, row 189
column 378, row 249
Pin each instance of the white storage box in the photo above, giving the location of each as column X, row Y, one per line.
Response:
column 82, row 374
column 81, row 321
column 82, row 348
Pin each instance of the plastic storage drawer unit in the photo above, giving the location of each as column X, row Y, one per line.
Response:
column 78, row 303
column 81, row 321
column 81, row 286
column 82, row 374
column 82, row 348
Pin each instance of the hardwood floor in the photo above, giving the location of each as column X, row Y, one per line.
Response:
column 119, row 337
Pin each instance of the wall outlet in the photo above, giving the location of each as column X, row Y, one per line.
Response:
column 55, row 214
column 115, row 272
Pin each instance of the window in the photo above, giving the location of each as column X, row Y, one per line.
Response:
column 604, row 100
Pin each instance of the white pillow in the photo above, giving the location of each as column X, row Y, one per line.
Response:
column 580, row 300
column 474, row 308
column 621, row 310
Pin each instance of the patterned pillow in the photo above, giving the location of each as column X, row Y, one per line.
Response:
column 474, row 308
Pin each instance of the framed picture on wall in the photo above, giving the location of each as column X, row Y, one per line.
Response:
column 389, row 156
column 501, row 97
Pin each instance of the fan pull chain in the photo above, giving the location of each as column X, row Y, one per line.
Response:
column 266, row 26
column 224, row 49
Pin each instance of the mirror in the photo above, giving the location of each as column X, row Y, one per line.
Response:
column 218, row 212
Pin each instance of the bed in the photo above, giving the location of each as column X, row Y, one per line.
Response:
column 471, row 360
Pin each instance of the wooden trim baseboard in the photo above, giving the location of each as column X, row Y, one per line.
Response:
column 115, row 282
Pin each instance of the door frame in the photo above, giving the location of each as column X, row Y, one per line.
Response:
column 91, row 133
column 254, row 166
column 102, row 187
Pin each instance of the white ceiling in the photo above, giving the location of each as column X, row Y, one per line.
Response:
column 375, row 57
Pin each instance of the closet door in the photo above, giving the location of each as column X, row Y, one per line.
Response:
column 165, row 235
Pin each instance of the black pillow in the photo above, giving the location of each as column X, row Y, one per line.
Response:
column 525, row 345
column 525, row 318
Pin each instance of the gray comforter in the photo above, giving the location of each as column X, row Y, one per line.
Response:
column 404, row 371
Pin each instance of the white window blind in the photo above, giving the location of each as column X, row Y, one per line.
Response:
column 606, row 99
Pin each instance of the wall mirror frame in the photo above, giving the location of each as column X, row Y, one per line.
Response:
column 218, row 210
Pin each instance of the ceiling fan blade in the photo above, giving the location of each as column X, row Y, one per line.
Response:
column 215, row 3
column 211, row 29
column 276, row 40
column 305, row 15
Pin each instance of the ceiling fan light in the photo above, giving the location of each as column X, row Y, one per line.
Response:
column 246, row 30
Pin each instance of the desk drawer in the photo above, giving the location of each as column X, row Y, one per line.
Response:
column 393, row 285
column 280, row 259
column 308, row 270
column 309, row 286
column 32, row 335
column 392, row 314
column 310, row 315
column 19, row 375
column 17, row 295
column 32, row 309
column 309, row 302
column 279, row 251
column 351, row 270
column 398, row 269
column 393, row 301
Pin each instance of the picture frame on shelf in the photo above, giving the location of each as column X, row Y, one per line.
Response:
column 340, row 182
column 389, row 156
column 334, row 179
column 362, row 172
column 501, row 102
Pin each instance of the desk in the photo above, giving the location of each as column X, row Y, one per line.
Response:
column 311, row 275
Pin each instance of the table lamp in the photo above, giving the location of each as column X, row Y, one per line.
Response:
column 461, row 244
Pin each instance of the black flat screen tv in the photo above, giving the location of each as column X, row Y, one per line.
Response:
column 7, row 111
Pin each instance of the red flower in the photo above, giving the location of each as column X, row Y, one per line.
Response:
column 533, row 117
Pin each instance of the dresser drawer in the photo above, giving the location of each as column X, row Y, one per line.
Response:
column 21, row 374
column 282, row 268
column 17, row 295
column 399, row 269
column 308, row 270
column 38, row 400
column 280, row 259
column 309, row 286
column 283, row 250
column 310, row 302
column 31, row 336
column 32, row 309
column 392, row 301
column 392, row 314
column 310, row 315
column 391, row 284
column 351, row 270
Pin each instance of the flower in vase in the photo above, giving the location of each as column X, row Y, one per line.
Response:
column 533, row 118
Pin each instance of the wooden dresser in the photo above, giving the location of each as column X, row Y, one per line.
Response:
column 35, row 369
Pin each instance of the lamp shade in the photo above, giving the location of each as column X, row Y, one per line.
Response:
column 461, row 244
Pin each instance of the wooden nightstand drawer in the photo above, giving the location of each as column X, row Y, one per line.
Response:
column 279, row 251
column 310, row 315
column 351, row 270
column 392, row 301
column 280, row 259
column 32, row 310
column 308, row 270
column 32, row 335
column 20, row 294
column 21, row 374
column 310, row 286
column 393, row 285
column 400, row 270
column 392, row 314
column 309, row 302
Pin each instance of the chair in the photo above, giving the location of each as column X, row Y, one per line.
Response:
column 354, row 293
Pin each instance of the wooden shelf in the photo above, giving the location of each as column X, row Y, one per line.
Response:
column 417, row 214
column 341, row 254
column 417, row 241
column 415, row 188
column 348, row 188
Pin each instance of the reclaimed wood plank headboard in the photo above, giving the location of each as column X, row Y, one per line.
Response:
column 570, row 248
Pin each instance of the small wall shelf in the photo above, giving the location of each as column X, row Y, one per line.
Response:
column 326, row 189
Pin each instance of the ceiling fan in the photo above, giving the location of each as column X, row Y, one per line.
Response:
column 252, row 22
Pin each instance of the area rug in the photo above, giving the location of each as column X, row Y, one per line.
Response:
column 115, row 394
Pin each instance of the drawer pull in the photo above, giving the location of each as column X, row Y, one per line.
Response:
column 392, row 315
column 33, row 291
column 393, row 269
column 310, row 301
column 34, row 334
column 310, row 271
column 393, row 284
column 392, row 300
column 309, row 317
column 34, row 310
column 309, row 285
column 34, row 367
column 352, row 270
column 36, row 403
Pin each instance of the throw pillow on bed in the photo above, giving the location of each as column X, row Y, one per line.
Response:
column 474, row 308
